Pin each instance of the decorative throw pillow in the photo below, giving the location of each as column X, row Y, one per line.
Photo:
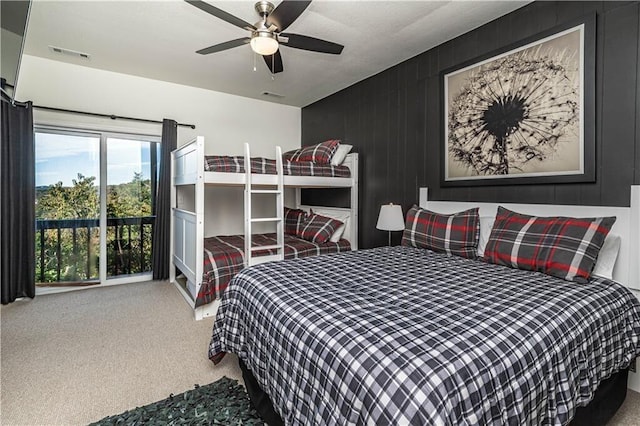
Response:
column 564, row 247
column 321, row 153
column 319, row 229
column 294, row 221
column 452, row 234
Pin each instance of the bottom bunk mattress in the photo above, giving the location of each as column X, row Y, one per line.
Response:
column 224, row 258
column 406, row 336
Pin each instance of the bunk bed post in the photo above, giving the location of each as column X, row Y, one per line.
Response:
column 247, row 205
column 280, row 204
column 199, row 210
column 354, row 203
column 634, row 265
column 173, row 204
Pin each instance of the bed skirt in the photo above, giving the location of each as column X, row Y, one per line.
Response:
column 608, row 398
column 259, row 398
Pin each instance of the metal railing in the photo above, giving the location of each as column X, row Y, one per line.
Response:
column 67, row 250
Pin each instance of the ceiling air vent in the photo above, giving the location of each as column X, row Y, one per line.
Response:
column 69, row 52
column 273, row 95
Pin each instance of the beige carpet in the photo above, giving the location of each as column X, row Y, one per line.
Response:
column 76, row 357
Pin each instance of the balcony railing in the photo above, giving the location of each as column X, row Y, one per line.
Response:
column 67, row 250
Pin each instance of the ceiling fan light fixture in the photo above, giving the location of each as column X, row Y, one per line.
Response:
column 264, row 43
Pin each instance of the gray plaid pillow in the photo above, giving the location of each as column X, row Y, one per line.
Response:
column 564, row 247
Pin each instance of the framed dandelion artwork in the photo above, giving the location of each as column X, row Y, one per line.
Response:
column 524, row 114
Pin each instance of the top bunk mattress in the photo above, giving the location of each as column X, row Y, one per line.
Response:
column 259, row 165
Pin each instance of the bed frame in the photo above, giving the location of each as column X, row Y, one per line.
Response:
column 612, row 391
column 627, row 226
column 188, row 227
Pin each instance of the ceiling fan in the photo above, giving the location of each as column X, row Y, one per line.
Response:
column 267, row 34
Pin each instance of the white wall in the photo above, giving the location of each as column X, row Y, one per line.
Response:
column 11, row 44
column 226, row 121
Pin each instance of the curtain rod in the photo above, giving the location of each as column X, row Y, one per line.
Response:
column 111, row 116
column 95, row 114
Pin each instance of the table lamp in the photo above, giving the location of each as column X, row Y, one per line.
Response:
column 390, row 219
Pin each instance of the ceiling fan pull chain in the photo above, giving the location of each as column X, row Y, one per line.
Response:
column 254, row 62
column 273, row 66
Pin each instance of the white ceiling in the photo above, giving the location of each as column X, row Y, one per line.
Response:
column 158, row 40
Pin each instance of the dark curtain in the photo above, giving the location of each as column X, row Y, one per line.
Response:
column 162, row 227
column 17, row 211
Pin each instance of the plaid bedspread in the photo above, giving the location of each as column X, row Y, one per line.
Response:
column 403, row 335
column 228, row 164
column 224, row 258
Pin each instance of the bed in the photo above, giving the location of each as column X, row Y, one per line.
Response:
column 224, row 258
column 404, row 335
column 193, row 171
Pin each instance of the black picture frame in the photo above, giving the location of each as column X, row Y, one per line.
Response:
column 457, row 151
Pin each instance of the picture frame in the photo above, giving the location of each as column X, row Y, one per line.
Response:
column 524, row 113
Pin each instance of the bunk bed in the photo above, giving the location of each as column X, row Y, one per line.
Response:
column 202, row 267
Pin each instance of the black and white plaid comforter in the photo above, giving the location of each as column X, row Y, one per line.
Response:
column 405, row 336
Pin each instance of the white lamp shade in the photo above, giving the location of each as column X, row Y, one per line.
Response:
column 390, row 218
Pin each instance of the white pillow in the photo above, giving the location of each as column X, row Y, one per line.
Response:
column 607, row 257
column 342, row 216
column 486, row 224
column 340, row 154
column 337, row 234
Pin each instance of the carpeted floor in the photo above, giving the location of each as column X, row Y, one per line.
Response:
column 75, row 358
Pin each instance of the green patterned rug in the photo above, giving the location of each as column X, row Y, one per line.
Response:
column 224, row 402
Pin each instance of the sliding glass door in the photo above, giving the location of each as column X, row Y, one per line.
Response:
column 67, row 208
column 131, row 182
column 95, row 194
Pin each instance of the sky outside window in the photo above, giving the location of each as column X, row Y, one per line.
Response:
column 126, row 157
column 59, row 158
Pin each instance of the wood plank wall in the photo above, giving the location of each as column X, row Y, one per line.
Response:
column 394, row 120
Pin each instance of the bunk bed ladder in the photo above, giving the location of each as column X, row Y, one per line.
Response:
column 249, row 220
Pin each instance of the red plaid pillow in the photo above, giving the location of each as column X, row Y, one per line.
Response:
column 563, row 247
column 452, row 234
column 319, row 229
column 293, row 221
column 321, row 153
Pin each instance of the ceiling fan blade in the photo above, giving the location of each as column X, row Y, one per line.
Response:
column 219, row 13
column 274, row 62
column 224, row 46
column 287, row 12
column 311, row 43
